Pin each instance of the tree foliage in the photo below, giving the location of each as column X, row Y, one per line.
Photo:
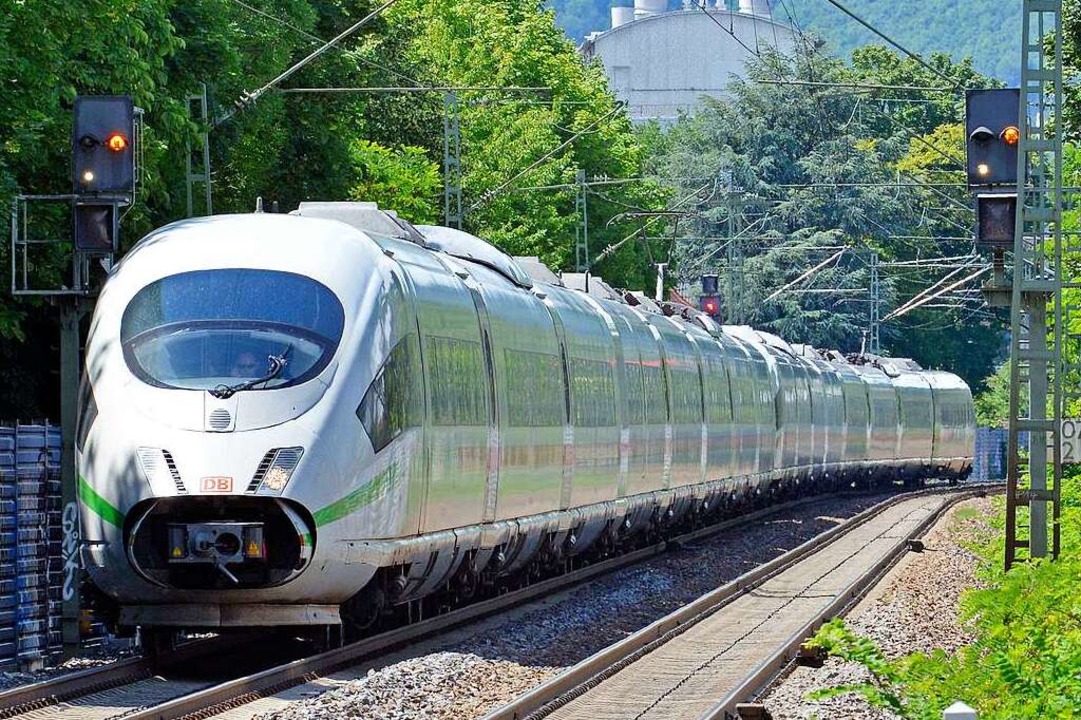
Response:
column 291, row 147
column 501, row 43
column 799, row 169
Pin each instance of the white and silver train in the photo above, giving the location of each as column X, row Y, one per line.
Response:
column 294, row 420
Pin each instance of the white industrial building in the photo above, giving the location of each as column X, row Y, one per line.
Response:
column 661, row 63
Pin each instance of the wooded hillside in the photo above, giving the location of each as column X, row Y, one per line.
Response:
column 987, row 31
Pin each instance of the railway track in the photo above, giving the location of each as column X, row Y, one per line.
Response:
column 110, row 686
column 700, row 661
column 131, row 689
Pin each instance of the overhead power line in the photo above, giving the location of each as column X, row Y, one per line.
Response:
column 923, row 293
column 617, row 245
column 808, row 274
column 320, row 41
column 249, row 98
column 943, row 291
column 488, row 195
column 857, row 86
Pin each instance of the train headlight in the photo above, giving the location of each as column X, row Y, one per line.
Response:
column 279, row 470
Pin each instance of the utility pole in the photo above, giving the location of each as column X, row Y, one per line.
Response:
column 581, row 236
column 72, row 310
column 453, row 215
column 874, row 346
column 661, row 267
column 734, row 250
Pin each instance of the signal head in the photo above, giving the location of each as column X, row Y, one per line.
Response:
column 117, row 142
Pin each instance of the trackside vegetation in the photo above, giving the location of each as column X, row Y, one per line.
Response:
column 1025, row 661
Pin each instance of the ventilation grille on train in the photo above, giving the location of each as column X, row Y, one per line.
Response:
column 219, row 419
column 284, row 459
column 160, row 467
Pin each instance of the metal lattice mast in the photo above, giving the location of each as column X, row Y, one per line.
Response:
column 581, row 235
column 452, row 165
column 873, row 345
column 197, row 169
column 1036, row 358
column 734, row 250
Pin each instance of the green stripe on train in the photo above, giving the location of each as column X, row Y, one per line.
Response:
column 99, row 505
column 358, row 499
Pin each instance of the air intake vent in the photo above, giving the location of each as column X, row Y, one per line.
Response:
column 180, row 488
column 160, row 469
column 260, row 472
column 219, row 420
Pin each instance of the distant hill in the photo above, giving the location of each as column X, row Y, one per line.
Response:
column 988, row 31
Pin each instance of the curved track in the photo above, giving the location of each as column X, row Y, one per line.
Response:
column 701, row 660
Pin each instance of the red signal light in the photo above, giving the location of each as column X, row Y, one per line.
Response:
column 117, row 142
column 710, row 307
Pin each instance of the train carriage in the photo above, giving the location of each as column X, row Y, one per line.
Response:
column 299, row 420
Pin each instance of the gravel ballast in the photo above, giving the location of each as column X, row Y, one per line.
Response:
column 474, row 671
column 914, row 609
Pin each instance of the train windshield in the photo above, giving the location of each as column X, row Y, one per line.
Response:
column 203, row 329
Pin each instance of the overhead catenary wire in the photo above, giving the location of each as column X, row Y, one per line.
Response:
column 962, row 281
column 807, row 274
column 923, row 293
column 247, row 99
column 613, row 247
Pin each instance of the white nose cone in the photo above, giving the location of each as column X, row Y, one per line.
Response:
column 958, row 711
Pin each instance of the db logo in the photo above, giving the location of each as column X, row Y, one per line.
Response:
column 216, row 484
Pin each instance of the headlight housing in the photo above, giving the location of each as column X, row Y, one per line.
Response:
column 276, row 470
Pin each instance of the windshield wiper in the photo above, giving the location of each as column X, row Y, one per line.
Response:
column 275, row 365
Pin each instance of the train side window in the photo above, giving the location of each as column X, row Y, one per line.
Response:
column 534, row 389
column 636, row 400
column 459, row 381
column 686, row 392
column 391, row 404
column 594, row 393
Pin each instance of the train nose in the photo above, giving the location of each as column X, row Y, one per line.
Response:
column 203, row 543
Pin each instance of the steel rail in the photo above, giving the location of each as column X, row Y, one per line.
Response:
column 595, row 669
column 24, row 698
column 770, row 668
column 219, row 698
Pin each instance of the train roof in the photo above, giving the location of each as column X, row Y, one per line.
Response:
column 526, row 272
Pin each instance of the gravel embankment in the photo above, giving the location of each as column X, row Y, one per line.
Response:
column 915, row 608
column 477, row 670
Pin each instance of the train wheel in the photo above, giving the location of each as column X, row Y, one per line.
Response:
column 364, row 610
column 157, row 642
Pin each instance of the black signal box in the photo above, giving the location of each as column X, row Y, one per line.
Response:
column 96, row 229
column 103, row 146
column 996, row 217
column 992, row 136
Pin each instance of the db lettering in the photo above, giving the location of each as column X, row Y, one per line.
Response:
column 216, row 484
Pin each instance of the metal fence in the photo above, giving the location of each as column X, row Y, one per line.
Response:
column 989, row 462
column 31, row 565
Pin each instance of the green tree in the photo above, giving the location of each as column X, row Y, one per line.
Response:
column 513, row 141
column 820, row 166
